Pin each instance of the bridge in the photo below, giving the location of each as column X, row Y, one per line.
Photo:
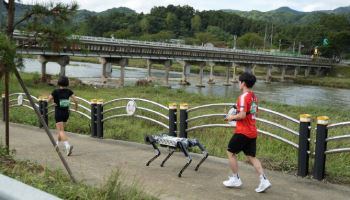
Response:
column 118, row 51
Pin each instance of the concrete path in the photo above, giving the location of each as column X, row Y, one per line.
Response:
column 94, row 159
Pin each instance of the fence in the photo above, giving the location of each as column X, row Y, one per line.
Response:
column 296, row 132
column 322, row 140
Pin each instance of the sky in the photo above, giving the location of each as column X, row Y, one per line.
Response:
column 243, row 5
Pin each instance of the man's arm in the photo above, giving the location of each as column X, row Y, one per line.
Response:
column 241, row 115
column 50, row 98
column 75, row 100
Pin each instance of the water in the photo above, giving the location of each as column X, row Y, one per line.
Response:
column 285, row 93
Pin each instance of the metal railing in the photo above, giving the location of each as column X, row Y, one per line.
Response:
column 322, row 141
column 99, row 46
column 222, row 115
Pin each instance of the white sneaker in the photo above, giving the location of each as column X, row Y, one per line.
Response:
column 263, row 186
column 233, row 181
column 69, row 150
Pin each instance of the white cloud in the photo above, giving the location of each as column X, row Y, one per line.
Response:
column 266, row 5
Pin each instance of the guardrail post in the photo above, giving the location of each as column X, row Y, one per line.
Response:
column 321, row 147
column 304, row 145
column 3, row 107
column 99, row 118
column 93, row 118
column 183, row 120
column 172, row 119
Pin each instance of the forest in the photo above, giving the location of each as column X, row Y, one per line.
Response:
column 282, row 30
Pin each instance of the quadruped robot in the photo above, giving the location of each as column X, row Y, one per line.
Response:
column 175, row 143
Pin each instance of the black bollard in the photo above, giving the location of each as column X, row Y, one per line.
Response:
column 183, row 120
column 321, row 147
column 304, row 145
column 172, row 119
column 93, row 104
column 99, row 118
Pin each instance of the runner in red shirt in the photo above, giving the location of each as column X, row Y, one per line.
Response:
column 244, row 138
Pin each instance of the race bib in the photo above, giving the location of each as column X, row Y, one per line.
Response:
column 64, row 103
column 253, row 108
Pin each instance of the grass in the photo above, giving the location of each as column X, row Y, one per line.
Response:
column 58, row 183
column 274, row 154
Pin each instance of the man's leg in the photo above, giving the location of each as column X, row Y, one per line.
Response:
column 256, row 164
column 61, row 136
column 264, row 182
column 232, row 158
column 234, row 180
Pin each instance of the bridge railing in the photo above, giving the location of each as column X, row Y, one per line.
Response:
column 337, row 143
column 24, row 40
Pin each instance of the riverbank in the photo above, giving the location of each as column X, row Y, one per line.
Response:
column 338, row 77
column 274, row 154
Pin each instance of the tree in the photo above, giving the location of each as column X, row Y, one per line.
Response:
column 37, row 17
column 196, row 23
column 251, row 41
column 205, row 37
column 171, row 21
column 7, row 55
column 144, row 25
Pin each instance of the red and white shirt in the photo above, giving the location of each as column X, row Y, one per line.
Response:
column 248, row 103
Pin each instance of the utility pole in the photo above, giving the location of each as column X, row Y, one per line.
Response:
column 265, row 36
column 299, row 49
column 279, row 45
column 234, row 41
column 271, row 36
column 293, row 46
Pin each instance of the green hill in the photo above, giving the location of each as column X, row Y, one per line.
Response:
column 286, row 15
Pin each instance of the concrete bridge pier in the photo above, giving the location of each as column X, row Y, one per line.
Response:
column 253, row 68
column 43, row 62
column 123, row 63
column 248, row 68
column 63, row 61
column 167, row 65
column 106, row 68
column 185, row 72
column 296, row 71
column 227, row 83
column 201, row 68
column 149, row 69
column 283, row 73
column 318, row 71
column 234, row 75
column 211, row 76
column 107, row 72
column 307, row 71
column 269, row 74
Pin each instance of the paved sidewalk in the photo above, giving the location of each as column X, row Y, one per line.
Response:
column 94, row 159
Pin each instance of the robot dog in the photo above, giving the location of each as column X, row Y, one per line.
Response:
column 174, row 143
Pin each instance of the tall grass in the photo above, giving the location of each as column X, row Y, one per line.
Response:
column 274, row 154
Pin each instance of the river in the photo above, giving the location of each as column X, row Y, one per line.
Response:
column 285, row 93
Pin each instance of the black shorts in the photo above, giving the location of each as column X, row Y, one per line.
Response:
column 61, row 115
column 240, row 142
